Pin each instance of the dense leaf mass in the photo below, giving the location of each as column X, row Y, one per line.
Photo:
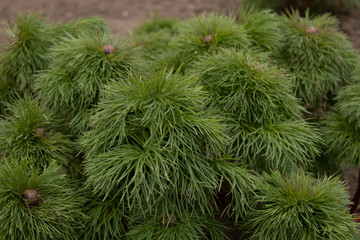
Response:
column 319, row 56
column 182, row 130
column 266, row 128
column 78, row 71
column 58, row 214
column 152, row 134
column 27, row 51
column 31, row 131
column 297, row 206
column 206, row 34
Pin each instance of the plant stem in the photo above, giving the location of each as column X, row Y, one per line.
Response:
column 356, row 198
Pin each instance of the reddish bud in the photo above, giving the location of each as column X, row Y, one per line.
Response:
column 40, row 132
column 31, row 197
column 108, row 49
column 169, row 221
column 311, row 30
column 207, row 39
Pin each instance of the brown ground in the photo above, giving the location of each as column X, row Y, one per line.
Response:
column 123, row 15
column 120, row 14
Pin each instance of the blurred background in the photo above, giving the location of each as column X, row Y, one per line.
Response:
column 123, row 15
column 120, row 14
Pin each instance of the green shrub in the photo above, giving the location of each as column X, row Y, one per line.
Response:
column 297, row 206
column 57, row 212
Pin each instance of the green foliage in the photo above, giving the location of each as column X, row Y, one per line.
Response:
column 58, row 214
column 156, row 48
column 171, row 227
column 165, row 154
column 238, row 184
column 159, row 108
column 92, row 25
column 148, row 136
column 340, row 127
column 263, row 27
column 245, row 85
column 105, row 220
column 25, row 54
column 349, row 102
column 207, row 34
column 318, row 55
column 154, row 140
column 30, row 131
column 285, row 145
column 155, row 41
column 78, row 71
column 316, row 6
column 157, row 25
column 342, row 139
column 297, row 206
column 264, row 119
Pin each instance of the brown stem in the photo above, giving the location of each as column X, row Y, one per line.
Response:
column 356, row 198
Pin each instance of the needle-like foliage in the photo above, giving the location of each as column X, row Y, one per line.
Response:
column 319, row 56
column 173, row 227
column 151, row 135
column 30, row 131
column 26, row 53
column 146, row 110
column 174, row 154
column 105, row 220
column 265, row 125
column 342, row 139
column 263, row 27
column 340, row 127
column 153, row 138
column 156, row 48
column 244, row 84
column 316, row 6
column 157, row 24
column 284, row 145
column 78, row 71
column 348, row 103
column 154, row 39
column 208, row 33
column 238, row 184
column 57, row 215
column 30, row 40
column 88, row 24
column 298, row 206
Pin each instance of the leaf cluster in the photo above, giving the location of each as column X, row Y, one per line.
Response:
column 340, row 127
column 173, row 227
column 30, row 40
column 105, row 219
column 30, row 131
column 297, row 206
column 153, row 144
column 265, row 125
column 316, row 6
column 263, row 27
column 207, row 34
column 58, row 215
column 319, row 56
column 26, row 53
column 78, row 71
column 342, row 139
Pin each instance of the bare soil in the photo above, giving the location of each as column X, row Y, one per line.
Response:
column 121, row 15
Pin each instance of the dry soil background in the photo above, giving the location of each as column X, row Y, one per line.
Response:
column 120, row 14
column 123, row 15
